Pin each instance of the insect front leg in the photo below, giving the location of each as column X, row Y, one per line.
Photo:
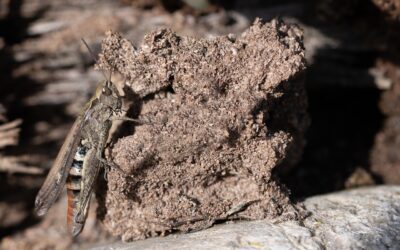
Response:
column 137, row 121
column 123, row 118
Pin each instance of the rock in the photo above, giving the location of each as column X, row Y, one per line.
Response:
column 365, row 218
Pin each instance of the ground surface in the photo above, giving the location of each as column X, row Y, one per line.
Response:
column 47, row 75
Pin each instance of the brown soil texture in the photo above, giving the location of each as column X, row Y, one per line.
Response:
column 219, row 115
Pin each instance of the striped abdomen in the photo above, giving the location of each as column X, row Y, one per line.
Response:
column 73, row 185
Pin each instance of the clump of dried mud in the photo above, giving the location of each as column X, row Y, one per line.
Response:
column 220, row 115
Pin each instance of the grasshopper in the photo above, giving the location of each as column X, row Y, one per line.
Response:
column 81, row 156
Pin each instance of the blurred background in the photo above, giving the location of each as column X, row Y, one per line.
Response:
column 46, row 76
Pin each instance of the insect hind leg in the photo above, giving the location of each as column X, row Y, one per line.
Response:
column 103, row 136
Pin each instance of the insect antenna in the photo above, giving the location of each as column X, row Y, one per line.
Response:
column 108, row 79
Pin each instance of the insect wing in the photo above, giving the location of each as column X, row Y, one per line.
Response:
column 58, row 174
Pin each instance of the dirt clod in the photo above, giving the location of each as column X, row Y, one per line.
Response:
column 223, row 112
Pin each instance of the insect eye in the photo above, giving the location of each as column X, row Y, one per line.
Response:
column 106, row 91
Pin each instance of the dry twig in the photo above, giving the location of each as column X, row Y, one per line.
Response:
column 12, row 165
column 9, row 133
